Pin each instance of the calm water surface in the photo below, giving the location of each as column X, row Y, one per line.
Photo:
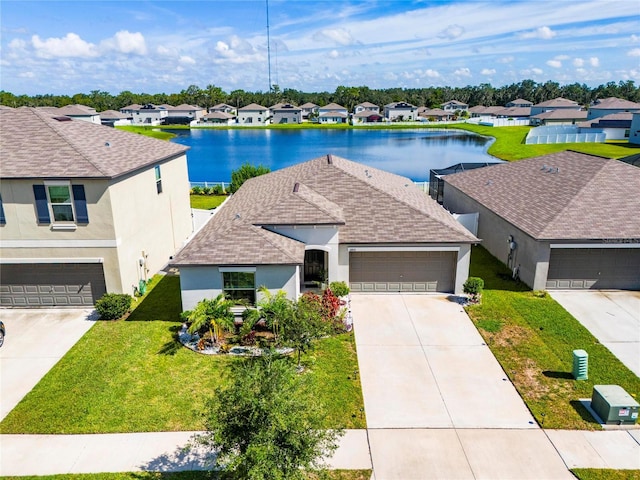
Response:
column 408, row 152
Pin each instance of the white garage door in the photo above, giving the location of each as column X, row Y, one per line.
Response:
column 402, row 271
column 51, row 284
column 594, row 268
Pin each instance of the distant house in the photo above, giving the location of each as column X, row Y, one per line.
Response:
column 513, row 112
column 308, row 109
column 634, row 134
column 148, row 114
column 519, row 102
column 253, row 115
column 617, row 126
column 454, row 105
column 286, row 113
column 555, row 104
column 85, row 209
column 223, row 107
column 184, row 114
column 563, row 116
column 608, row 106
column 366, row 112
column 481, row 111
column 131, row 109
column 434, row 114
column 291, row 228
column 111, row 118
column 218, row 118
column 80, row 112
column 400, row 112
column 567, row 220
column 333, row 113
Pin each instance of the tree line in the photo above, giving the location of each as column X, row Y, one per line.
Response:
column 348, row 97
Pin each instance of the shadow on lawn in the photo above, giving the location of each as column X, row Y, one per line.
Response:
column 161, row 303
column 172, row 346
column 495, row 274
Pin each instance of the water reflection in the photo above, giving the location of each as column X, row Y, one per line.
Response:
column 409, row 152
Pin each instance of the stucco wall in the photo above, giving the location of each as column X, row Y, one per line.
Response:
column 197, row 283
column 157, row 224
column 532, row 256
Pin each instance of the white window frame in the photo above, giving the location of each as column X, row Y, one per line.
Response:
column 53, row 183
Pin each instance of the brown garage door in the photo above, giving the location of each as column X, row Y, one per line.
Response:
column 51, row 284
column 595, row 268
column 402, row 271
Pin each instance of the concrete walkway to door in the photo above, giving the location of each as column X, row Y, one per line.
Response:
column 438, row 404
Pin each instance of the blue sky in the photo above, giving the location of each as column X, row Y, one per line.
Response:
column 165, row 46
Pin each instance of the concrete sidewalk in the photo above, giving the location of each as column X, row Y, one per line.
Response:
column 132, row 452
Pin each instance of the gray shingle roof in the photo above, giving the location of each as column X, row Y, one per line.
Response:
column 615, row 103
column 36, row 143
column 367, row 205
column 588, row 197
column 558, row 102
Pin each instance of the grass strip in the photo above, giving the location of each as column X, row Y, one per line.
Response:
column 533, row 338
column 206, row 202
column 605, row 474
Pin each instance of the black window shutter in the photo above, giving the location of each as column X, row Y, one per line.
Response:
column 80, row 203
column 3, row 219
column 42, row 206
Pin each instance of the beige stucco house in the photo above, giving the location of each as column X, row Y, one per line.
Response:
column 326, row 219
column 86, row 209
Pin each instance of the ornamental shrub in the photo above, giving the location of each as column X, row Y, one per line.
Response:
column 112, row 306
column 340, row 289
column 196, row 190
column 473, row 287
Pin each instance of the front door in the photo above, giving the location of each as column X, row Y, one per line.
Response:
column 314, row 267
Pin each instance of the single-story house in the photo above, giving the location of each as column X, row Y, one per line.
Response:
column 567, row 220
column 559, row 117
column 519, row 102
column 611, row 105
column 366, row 117
column 80, row 112
column 184, row 114
column 616, row 126
column 253, row 114
column 85, row 209
column 555, row 104
column 112, row 118
column 434, row 114
column 326, row 219
column 513, row 112
column 218, row 118
column 400, row 112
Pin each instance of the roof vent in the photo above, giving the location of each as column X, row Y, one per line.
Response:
column 62, row 119
column 329, row 159
column 107, row 144
column 296, row 187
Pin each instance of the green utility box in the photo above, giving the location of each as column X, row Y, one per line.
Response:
column 580, row 365
column 614, row 405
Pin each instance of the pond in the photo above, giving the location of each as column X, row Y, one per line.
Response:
column 214, row 153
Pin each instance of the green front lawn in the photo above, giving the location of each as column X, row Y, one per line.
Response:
column 134, row 376
column 153, row 132
column 533, row 338
column 605, row 474
column 207, row 202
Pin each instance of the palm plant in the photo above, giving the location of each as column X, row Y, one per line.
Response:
column 212, row 313
column 274, row 308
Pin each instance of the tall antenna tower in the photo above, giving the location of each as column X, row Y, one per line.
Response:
column 268, row 47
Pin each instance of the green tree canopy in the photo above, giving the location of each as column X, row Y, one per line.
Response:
column 244, row 173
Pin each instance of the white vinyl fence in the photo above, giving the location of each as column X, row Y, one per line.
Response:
column 562, row 134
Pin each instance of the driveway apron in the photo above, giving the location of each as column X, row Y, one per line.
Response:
column 36, row 339
column 438, row 404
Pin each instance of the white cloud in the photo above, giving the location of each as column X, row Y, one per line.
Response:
column 508, row 59
column 634, row 38
column 237, row 50
column 161, row 50
column 634, row 52
column 578, row 62
column 335, row 35
column 127, row 42
column 561, row 57
column 537, row 71
column 545, row 33
column 333, row 54
column 187, row 60
column 431, row 73
column 17, row 44
column 27, row 75
column 463, row 72
column 71, row 45
column 451, row 32
column 594, row 61
column 554, row 63
column 488, row 71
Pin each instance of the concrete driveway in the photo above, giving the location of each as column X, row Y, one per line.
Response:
column 613, row 317
column 36, row 339
column 437, row 402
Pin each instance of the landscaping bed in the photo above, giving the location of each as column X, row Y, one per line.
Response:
column 533, row 338
column 134, row 375
column 188, row 475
